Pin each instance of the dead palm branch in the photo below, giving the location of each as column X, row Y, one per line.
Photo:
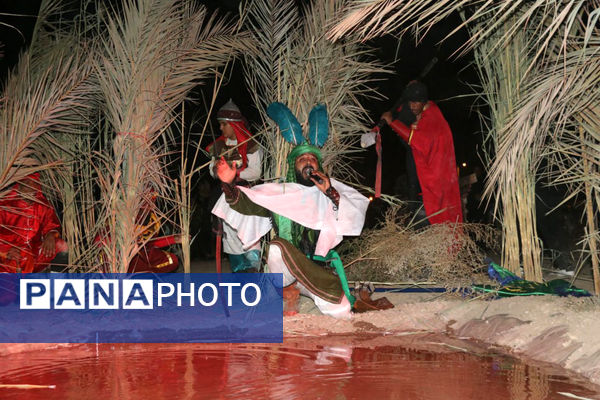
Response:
column 501, row 71
column 371, row 18
column 153, row 54
column 47, row 91
column 550, row 121
column 296, row 64
column 559, row 118
column 73, row 181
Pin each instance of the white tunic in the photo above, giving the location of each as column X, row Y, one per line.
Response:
column 305, row 205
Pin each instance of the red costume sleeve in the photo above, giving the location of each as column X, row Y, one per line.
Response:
column 24, row 226
column 162, row 241
column 401, row 130
column 49, row 219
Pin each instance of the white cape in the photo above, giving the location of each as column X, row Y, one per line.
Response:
column 307, row 206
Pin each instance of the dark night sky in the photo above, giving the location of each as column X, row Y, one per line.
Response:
column 15, row 39
column 448, row 79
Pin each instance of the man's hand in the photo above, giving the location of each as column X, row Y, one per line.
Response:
column 49, row 245
column 225, row 172
column 387, row 117
column 13, row 254
column 325, row 183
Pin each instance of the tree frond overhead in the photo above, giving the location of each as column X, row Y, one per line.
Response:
column 366, row 19
column 37, row 101
column 295, row 64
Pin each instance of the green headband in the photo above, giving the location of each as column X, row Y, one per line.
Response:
column 297, row 152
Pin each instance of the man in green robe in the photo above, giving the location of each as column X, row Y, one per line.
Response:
column 310, row 213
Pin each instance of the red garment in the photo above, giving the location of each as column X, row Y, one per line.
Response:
column 242, row 135
column 152, row 259
column 22, row 225
column 433, row 150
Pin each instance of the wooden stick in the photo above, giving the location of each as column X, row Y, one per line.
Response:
column 26, row 386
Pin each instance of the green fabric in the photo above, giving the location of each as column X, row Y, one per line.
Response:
column 512, row 285
column 284, row 227
column 297, row 152
column 247, row 260
column 315, row 278
column 336, row 262
column 558, row 287
column 287, row 229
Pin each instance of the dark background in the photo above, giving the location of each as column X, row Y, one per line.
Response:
column 450, row 83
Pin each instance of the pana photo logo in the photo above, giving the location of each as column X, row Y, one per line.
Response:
column 141, row 308
column 133, row 294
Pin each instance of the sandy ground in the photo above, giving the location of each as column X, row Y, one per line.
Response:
column 560, row 331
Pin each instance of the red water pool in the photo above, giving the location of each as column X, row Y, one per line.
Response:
column 423, row 367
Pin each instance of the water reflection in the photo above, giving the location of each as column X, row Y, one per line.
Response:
column 307, row 368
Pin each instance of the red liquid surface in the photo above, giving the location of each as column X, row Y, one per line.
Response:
column 300, row 368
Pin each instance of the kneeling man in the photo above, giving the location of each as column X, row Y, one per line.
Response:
column 310, row 213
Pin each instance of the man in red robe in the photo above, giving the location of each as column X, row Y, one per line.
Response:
column 429, row 137
column 29, row 229
column 151, row 257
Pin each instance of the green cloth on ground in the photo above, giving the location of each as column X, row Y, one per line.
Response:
column 512, row 285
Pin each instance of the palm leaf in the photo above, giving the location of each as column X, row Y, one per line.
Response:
column 153, row 54
column 303, row 69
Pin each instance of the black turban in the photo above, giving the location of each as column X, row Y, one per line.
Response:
column 415, row 91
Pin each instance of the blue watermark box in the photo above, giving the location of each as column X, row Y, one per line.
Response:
column 141, row 308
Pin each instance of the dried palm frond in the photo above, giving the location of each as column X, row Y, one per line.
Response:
column 295, row 64
column 501, row 71
column 47, row 91
column 153, row 54
column 558, row 119
column 554, row 118
column 188, row 169
column 73, row 183
column 371, row 18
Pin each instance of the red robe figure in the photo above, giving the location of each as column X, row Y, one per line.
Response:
column 151, row 257
column 429, row 137
column 29, row 229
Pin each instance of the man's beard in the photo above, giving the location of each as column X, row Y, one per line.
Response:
column 300, row 179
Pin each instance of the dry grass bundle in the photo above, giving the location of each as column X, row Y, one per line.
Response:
column 448, row 255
